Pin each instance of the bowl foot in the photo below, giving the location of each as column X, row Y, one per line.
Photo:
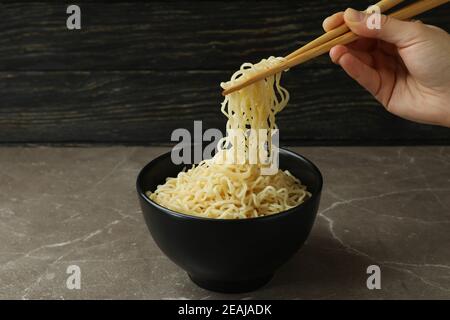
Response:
column 231, row 286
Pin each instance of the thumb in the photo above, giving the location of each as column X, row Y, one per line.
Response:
column 400, row 33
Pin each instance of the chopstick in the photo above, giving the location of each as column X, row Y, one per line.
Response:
column 402, row 14
column 384, row 5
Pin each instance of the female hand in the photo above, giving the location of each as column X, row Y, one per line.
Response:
column 404, row 65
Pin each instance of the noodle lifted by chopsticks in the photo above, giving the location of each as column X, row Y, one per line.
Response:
column 217, row 189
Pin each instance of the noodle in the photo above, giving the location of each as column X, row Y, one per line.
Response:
column 238, row 190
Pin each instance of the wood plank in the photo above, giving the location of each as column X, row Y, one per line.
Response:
column 138, row 70
column 145, row 106
column 164, row 35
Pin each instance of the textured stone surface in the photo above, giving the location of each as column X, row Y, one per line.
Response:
column 66, row 206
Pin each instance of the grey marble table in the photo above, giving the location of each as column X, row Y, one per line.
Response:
column 77, row 206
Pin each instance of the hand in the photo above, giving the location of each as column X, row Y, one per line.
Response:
column 404, row 65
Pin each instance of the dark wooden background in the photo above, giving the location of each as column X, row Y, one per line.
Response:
column 138, row 70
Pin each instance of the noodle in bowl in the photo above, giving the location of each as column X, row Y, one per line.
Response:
column 230, row 192
column 229, row 226
column 229, row 255
column 222, row 190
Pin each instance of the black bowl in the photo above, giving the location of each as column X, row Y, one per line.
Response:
column 230, row 255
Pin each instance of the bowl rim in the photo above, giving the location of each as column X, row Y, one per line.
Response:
column 185, row 216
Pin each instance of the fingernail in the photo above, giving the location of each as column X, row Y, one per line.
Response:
column 332, row 55
column 353, row 15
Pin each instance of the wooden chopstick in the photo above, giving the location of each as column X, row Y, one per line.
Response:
column 403, row 14
column 384, row 5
